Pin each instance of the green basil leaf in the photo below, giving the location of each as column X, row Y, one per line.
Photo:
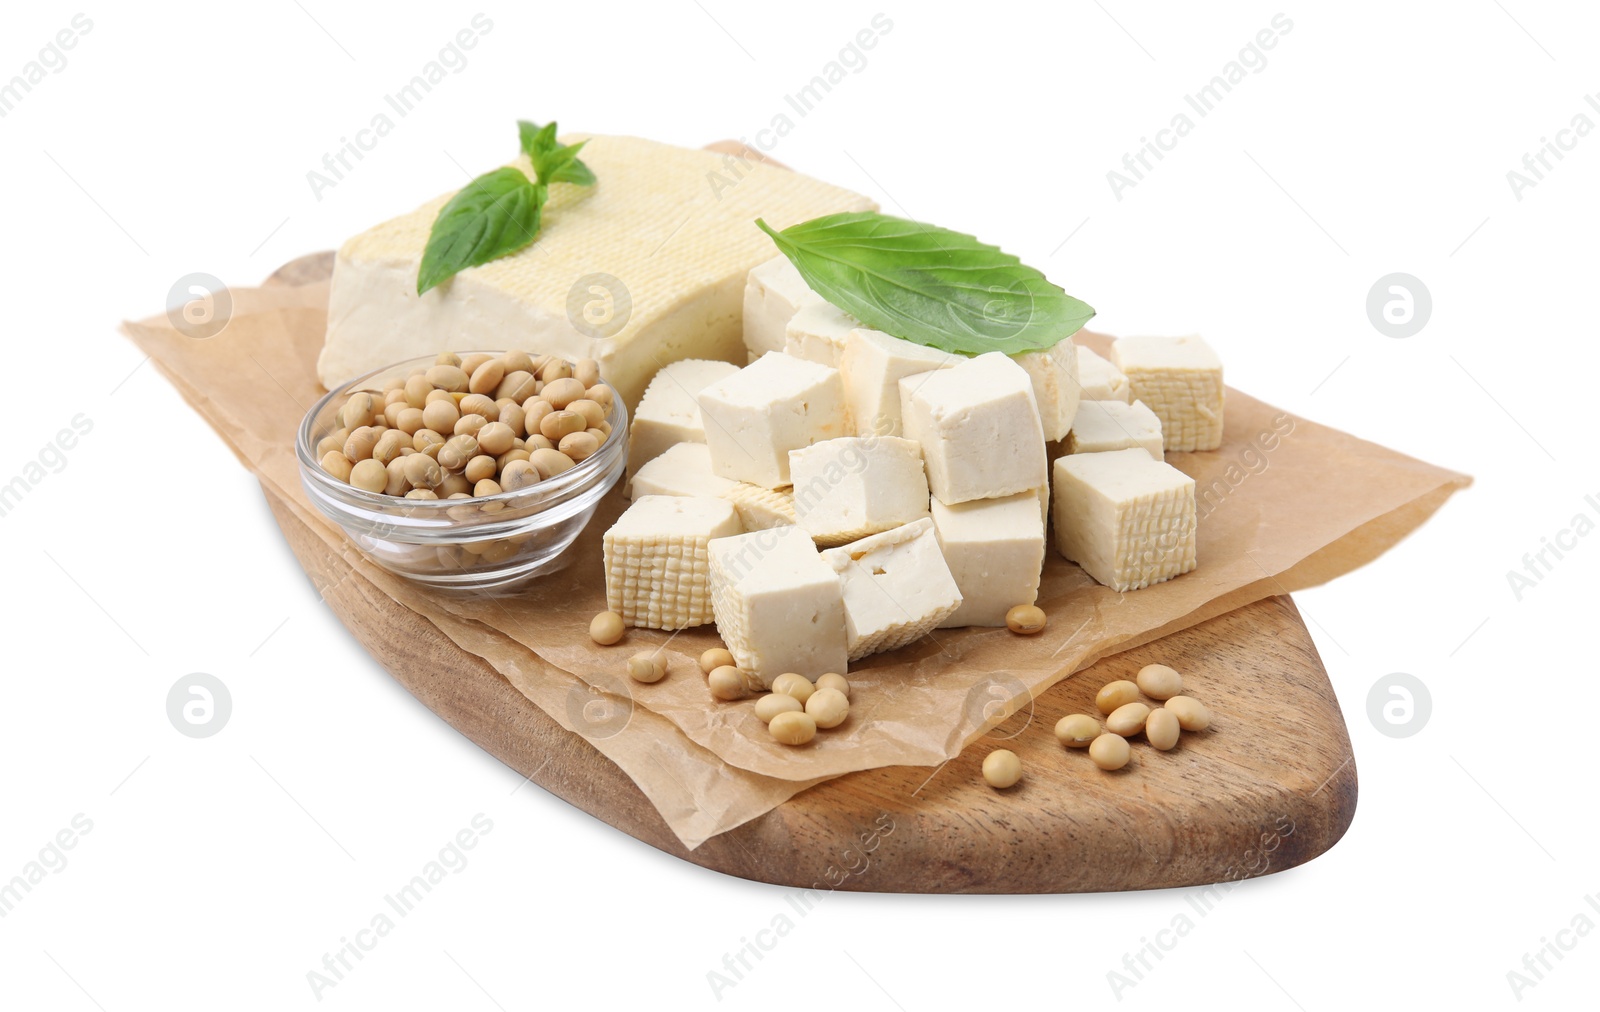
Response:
column 493, row 216
column 527, row 132
column 562, row 166
column 930, row 285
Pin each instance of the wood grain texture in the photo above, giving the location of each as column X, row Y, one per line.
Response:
column 1271, row 785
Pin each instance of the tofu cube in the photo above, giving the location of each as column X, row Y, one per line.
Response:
column 1054, row 374
column 1128, row 520
column 995, row 551
column 760, row 508
column 873, row 364
column 773, row 293
column 1098, row 379
column 779, row 607
column 897, row 588
column 979, row 429
column 817, row 331
column 669, row 412
column 685, row 469
column 1181, row 379
column 848, row 488
column 1113, row 425
column 773, row 405
column 656, row 564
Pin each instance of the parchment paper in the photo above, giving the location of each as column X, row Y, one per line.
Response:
column 1284, row 504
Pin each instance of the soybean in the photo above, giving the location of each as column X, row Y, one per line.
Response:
column 1002, row 768
column 606, row 628
column 831, row 680
column 1077, row 730
column 774, row 703
column 827, row 707
column 1191, row 713
column 1161, row 729
column 1159, row 681
column 790, row 684
column 793, row 728
column 1025, row 619
column 727, row 682
column 1110, row 751
column 647, row 666
column 1115, row 694
column 715, row 658
column 1127, row 719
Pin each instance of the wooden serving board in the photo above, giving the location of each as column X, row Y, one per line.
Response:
column 1270, row 786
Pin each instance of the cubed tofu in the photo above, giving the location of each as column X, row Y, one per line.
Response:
column 779, row 607
column 1128, row 520
column 1113, row 425
column 979, row 429
column 897, row 588
column 1180, row 378
column 873, row 364
column 853, row 486
column 1054, row 374
column 684, row 469
column 657, row 568
column 1098, row 379
column 995, row 551
column 776, row 404
column 669, row 412
column 817, row 331
column 760, row 508
column 772, row 295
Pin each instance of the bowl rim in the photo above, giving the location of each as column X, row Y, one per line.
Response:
column 554, row 488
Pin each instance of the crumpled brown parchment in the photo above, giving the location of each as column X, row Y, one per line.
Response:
column 1284, row 504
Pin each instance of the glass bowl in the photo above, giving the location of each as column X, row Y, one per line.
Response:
column 492, row 543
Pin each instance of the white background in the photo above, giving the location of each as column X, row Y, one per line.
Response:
column 1376, row 139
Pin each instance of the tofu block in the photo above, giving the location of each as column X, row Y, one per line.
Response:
column 896, row 586
column 760, row 508
column 669, row 412
column 1054, row 374
column 1113, row 425
column 685, row 469
column 1128, row 520
column 817, row 331
column 646, row 267
column 853, row 486
column 979, row 429
column 1180, row 378
column 1098, row 379
column 772, row 295
column 779, row 607
column 995, row 551
column 873, row 364
column 773, row 405
column 657, row 565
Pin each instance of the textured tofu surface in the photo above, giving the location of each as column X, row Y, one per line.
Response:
column 1054, row 374
column 656, row 564
column 1098, row 379
column 684, row 469
column 773, row 405
column 778, row 606
column 896, row 585
column 651, row 259
column 1180, row 378
column 669, row 411
column 873, row 364
column 1128, row 520
column 848, row 488
column 995, row 551
column 1113, row 425
column 772, row 295
column 979, row 428
column 817, row 331
column 760, row 508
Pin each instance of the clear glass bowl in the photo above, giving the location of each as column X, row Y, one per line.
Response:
column 490, row 543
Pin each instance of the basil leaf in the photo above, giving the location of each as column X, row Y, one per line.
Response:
column 493, row 216
column 562, row 166
column 930, row 285
column 536, row 140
